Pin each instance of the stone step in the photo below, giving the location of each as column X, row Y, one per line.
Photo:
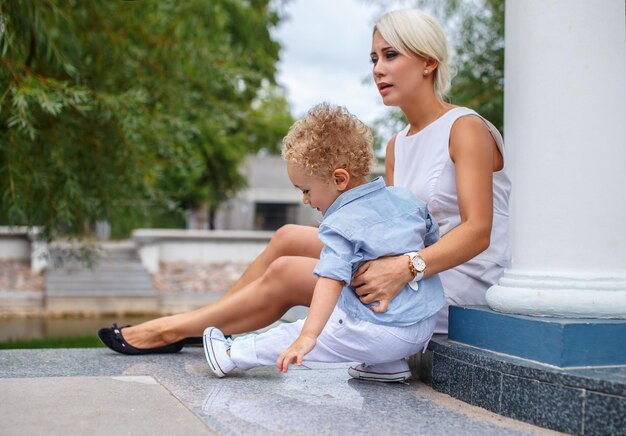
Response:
column 580, row 401
column 100, row 293
column 136, row 278
column 127, row 266
column 99, row 280
column 100, row 288
column 102, row 304
column 117, row 272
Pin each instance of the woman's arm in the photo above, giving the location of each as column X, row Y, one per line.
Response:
column 325, row 298
column 390, row 160
column 472, row 151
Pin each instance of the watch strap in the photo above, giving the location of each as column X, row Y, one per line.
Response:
column 411, row 266
column 413, row 283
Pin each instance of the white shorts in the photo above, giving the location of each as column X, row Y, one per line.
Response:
column 344, row 339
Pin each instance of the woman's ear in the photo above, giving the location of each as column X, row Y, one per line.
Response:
column 430, row 65
column 341, row 179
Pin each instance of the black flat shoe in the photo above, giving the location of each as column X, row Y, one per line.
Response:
column 112, row 338
column 193, row 341
column 197, row 341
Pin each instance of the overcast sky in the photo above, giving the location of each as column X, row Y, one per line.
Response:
column 325, row 54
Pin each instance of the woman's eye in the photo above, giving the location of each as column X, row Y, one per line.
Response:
column 373, row 60
column 391, row 54
column 305, row 192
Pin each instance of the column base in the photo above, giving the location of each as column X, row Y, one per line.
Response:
column 565, row 294
column 561, row 342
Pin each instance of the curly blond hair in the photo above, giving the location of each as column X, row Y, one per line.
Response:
column 327, row 138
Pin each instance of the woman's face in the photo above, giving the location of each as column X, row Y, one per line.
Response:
column 399, row 78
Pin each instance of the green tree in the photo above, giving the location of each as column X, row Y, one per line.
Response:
column 476, row 32
column 109, row 110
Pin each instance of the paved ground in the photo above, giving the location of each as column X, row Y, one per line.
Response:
column 95, row 391
column 133, row 405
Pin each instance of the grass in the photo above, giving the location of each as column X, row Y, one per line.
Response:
column 69, row 342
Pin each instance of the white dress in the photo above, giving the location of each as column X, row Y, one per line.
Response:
column 423, row 165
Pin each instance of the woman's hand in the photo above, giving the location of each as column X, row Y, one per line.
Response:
column 295, row 353
column 380, row 280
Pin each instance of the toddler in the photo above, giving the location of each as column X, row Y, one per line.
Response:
column 329, row 157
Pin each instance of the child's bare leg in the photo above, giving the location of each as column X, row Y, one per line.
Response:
column 288, row 282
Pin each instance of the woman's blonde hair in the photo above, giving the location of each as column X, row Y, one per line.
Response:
column 414, row 32
column 327, row 138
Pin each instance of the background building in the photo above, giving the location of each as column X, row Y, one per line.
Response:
column 270, row 200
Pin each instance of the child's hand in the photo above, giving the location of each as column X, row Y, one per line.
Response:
column 296, row 351
column 381, row 307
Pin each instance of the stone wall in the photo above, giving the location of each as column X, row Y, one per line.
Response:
column 22, row 244
column 156, row 246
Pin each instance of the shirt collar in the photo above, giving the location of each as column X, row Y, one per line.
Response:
column 354, row 194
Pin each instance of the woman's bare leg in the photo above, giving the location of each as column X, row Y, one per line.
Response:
column 274, row 282
column 288, row 282
column 289, row 240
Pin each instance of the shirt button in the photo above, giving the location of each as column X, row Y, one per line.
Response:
column 341, row 321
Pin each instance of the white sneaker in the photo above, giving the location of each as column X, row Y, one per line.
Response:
column 397, row 371
column 216, row 347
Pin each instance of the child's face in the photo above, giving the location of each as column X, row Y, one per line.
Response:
column 316, row 192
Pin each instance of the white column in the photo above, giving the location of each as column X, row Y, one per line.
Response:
column 565, row 130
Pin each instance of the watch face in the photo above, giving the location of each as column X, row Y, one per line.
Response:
column 419, row 263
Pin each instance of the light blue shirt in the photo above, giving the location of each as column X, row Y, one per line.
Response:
column 372, row 221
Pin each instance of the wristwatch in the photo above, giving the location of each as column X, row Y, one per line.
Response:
column 417, row 265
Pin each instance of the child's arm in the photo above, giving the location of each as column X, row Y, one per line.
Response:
column 325, row 298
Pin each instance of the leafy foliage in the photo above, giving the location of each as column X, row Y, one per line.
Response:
column 476, row 32
column 109, row 110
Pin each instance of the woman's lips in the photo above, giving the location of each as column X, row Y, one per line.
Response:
column 384, row 88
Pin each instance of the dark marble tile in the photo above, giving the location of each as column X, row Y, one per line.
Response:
column 542, row 404
column 460, row 377
column 486, row 389
column 476, row 356
column 604, row 415
column 441, row 371
column 608, row 380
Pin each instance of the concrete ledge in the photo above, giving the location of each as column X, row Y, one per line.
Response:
column 98, row 306
column 21, row 304
column 146, row 236
column 35, row 305
column 194, row 246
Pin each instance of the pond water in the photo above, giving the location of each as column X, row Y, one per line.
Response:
column 40, row 328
